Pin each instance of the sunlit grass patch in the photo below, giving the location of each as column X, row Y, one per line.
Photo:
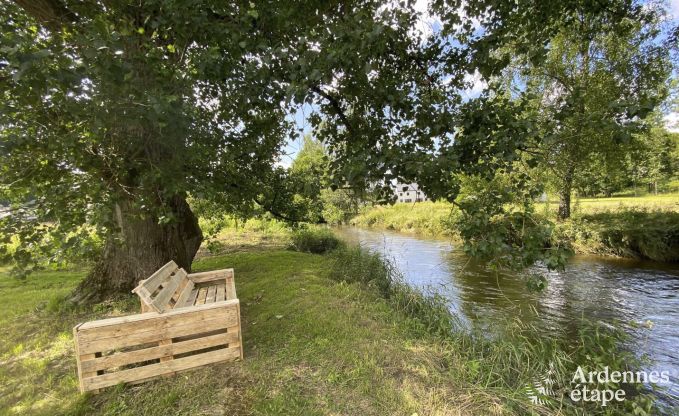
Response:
column 426, row 218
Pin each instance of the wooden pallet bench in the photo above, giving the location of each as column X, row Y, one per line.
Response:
column 187, row 321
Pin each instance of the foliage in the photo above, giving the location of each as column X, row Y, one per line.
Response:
column 595, row 90
column 315, row 240
column 499, row 224
column 111, row 114
column 340, row 205
column 629, row 233
column 317, row 201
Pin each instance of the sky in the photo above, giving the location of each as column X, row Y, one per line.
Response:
column 425, row 27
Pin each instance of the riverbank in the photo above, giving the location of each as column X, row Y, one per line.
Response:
column 312, row 346
column 644, row 227
column 337, row 333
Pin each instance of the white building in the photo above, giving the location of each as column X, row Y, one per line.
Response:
column 408, row 192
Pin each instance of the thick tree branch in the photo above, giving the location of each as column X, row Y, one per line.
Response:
column 336, row 106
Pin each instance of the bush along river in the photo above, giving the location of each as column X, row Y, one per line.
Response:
column 641, row 298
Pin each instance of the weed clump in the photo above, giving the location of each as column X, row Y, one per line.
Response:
column 315, row 240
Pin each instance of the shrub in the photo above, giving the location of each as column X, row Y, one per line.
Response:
column 315, row 240
column 629, row 233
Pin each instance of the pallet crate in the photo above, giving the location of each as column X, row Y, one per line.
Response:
column 187, row 321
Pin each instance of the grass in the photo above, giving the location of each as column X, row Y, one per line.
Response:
column 661, row 202
column 323, row 334
column 315, row 240
column 643, row 227
column 425, row 218
column 312, row 346
column 228, row 235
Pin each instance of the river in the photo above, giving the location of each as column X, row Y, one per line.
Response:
column 641, row 297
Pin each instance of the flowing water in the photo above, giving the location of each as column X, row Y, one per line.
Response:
column 641, row 297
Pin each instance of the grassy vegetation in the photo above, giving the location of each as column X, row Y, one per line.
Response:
column 324, row 334
column 646, row 227
column 425, row 218
column 312, row 346
column 315, row 240
column 227, row 234
column 585, row 206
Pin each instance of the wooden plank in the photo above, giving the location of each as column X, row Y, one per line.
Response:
column 191, row 301
column 154, row 370
column 157, row 277
column 230, row 288
column 160, row 302
column 149, row 316
column 240, row 332
column 221, row 293
column 210, row 276
column 156, row 323
column 78, row 359
column 146, row 354
column 202, row 294
column 211, row 294
column 193, row 327
column 180, row 289
column 185, row 294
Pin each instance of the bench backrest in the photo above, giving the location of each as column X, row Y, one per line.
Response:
column 161, row 291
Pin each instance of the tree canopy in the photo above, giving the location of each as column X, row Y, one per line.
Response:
column 113, row 112
column 593, row 96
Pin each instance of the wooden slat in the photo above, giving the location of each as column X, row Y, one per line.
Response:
column 146, row 354
column 158, row 369
column 102, row 323
column 160, row 302
column 217, row 321
column 78, row 359
column 154, row 321
column 211, row 294
column 221, row 293
column 185, row 294
column 240, row 332
column 182, row 285
column 202, row 294
column 210, row 276
column 230, row 288
column 157, row 278
column 191, row 301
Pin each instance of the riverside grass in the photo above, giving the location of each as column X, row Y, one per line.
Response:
column 506, row 365
column 637, row 227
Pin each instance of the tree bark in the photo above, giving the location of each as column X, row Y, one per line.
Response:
column 139, row 248
column 565, row 195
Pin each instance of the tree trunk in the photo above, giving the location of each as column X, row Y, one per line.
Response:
column 139, row 248
column 565, row 195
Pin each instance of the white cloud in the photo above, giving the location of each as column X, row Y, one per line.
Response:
column 672, row 122
column 425, row 26
column 674, row 9
column 476, row 84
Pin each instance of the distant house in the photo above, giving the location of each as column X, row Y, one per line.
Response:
column 408, row 192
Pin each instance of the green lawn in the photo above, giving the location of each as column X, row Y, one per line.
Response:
column 312, row 346
column 661, row 202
